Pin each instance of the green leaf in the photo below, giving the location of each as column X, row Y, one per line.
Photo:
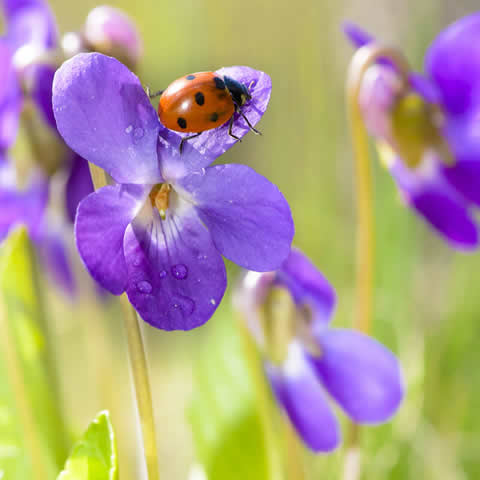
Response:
column 94, row 456
column 32, row 442
column 226, row 420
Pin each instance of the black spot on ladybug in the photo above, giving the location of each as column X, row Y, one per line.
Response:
column 182, row 123
column 190, row 77
column 214, row 117
column 219, row 83
column 199, row 98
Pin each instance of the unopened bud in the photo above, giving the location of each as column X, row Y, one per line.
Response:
column 110, row 31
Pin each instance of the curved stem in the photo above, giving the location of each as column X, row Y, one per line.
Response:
column 138, row 364
column 364, row 58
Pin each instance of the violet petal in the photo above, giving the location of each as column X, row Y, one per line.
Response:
column 216, row 141
column 308, row 285
column 176, row 277
column 247, row 215
column 100, row 225
column 302, row 397
column 104, row 115
column 78, row 186
column 453, row 62
column 361, row 374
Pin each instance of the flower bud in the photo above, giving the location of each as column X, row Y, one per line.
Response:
column 380, row 89
column 110, row 31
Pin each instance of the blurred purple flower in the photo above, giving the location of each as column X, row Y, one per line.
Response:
column 428, row 132
column 31, row 34
column 159, row 232
column 28, row 207
column 308, row 363
column 28, row 60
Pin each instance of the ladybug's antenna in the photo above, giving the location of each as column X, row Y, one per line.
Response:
column 152, row 95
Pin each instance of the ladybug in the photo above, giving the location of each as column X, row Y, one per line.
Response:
column 202, row 101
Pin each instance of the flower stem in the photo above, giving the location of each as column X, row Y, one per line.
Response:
column 264, row 401
column 292, row 452
column 31, row 435
column 365, row 246
column 138, row 364
column 63, row 438
column 139, row 368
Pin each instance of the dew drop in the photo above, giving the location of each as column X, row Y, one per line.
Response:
column 129, row 129
column 137, row 262
column 182, row 306
column 213, row 301
column 162, row 274
column 180, row 271
column 138, row 134
column 144, row 287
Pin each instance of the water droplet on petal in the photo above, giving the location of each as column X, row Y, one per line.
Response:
column 180, row 271
column 162, row 274
column 144, row 287
column 137, row 261
column 129, row 129
column 138, row 134
column 213, row 301
column 183, row 306
column 201, row 256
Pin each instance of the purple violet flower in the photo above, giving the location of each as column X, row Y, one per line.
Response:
column 308, row 363
column 31, row 34
column 428, row 133
column 29, row 56
column 159, row 231
column 28, row 207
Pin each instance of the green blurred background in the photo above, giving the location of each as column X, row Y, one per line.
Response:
column 427, row 303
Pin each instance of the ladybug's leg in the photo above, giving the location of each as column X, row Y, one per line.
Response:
column 230, row 126
column 184, row 139
column 250, row 126
column 153, row 95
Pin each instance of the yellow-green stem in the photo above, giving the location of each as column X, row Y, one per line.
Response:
column 33, row 442
column 64, row 443
column 364, row 58
column 293, row 448
column 138, row 363
column 264, row 401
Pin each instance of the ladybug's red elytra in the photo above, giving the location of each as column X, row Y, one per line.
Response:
column 202, row 101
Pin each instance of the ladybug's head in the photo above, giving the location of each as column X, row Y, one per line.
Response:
column 238, row 91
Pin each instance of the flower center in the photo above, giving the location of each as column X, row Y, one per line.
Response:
column 160, row 198
column 416, row 129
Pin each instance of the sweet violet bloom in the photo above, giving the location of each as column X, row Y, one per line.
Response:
column 29, row 61
column 29, row 54
column 427, row 130
column 308, row 363
column 159, row 231
column 28, row 207
column 26, row 66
